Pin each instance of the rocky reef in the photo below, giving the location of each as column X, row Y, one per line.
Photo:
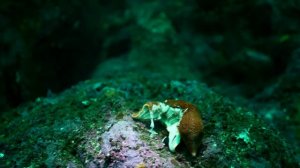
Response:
column 90, row 125
column 240, row 71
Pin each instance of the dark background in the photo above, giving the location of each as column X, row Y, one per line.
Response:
column 240, row 48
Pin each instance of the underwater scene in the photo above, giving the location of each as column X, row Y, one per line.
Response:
column 150, row 84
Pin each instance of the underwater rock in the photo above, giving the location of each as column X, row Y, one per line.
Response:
column 122, row 147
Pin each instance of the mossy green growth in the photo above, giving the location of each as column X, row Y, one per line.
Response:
column 169, row 116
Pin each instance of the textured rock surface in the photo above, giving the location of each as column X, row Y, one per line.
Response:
column 240, row 70
column 123, row 147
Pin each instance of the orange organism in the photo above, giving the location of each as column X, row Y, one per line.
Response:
column 191, row 125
